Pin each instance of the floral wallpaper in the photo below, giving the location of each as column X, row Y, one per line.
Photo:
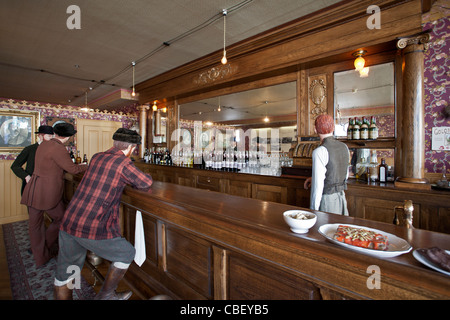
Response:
column 436, row 82
column 51, row 111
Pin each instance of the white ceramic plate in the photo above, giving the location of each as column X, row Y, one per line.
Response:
column 429, row 264
column 396, row 245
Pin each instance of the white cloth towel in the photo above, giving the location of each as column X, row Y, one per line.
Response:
column 139, row 240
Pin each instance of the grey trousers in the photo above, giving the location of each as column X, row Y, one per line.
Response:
column 334, row 203
column 72, row 252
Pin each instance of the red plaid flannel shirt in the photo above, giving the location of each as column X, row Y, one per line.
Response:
column 93, row 212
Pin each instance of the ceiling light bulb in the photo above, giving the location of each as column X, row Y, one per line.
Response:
column 164, row 109
column 359, row 63
column 266, row 119
column 224, row 59
column 133, row 93
column 154, row 107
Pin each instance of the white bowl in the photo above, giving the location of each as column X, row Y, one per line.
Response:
column 299, row 225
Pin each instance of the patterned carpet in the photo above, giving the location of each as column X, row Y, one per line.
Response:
column 27, row 281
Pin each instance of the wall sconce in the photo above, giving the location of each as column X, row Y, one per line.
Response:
column 154, row 107
column 359, row 61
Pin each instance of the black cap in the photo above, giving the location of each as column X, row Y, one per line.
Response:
column 64, row 129
column 45, row 130
column 127, row 135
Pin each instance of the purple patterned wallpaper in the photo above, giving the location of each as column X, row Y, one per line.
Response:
column 59, row 111
column 436, row 85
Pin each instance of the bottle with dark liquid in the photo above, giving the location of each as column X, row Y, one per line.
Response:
column 350, row 129
column 85, row 161
column 364, row 130
column 355, row 132
column 72, row 156
column 382, row 171
column 373, row 129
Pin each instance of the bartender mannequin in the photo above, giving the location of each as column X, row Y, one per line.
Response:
column 329, row 170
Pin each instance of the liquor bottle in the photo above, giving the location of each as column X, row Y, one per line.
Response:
column 169, row 159
column 361, row 169
column 72, row 156
column 78, row 159
column 383, row 170
column 350, row 129
column 373, row 129
column 355, row 132
column 373, row 166
column 85, row 161
column 364, row 130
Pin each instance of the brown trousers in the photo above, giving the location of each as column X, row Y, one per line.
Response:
column 42, row 239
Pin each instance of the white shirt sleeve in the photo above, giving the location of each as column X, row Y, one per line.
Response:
column 319, row 160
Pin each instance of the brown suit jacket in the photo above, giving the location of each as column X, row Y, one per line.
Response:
column 45, row 189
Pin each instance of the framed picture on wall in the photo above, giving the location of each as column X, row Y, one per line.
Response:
column 17, row 129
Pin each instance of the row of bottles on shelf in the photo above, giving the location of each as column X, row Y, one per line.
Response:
column 230, row 160
column 371, row 170
column 77, row 159
column 158, row 156
column 362, row 130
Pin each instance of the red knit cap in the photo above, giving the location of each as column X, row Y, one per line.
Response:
column 324, row 124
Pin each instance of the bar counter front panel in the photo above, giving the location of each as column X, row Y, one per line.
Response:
column 209, row 245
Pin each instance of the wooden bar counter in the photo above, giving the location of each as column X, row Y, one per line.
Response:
column 369, row 201
column 209, row 245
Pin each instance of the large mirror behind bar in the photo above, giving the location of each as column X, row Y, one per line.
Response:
column 372, row 95
column 258, row 126
column 368, row 96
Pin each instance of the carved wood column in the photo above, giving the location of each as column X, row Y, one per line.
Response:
column 143, row 128
column 412, row 128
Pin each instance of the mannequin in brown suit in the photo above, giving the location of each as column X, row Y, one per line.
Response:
column 44, row 191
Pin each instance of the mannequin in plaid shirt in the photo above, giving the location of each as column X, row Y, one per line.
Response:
column 91, row 221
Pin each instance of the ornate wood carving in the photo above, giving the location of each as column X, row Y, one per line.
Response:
column 317, row 101
column 214, row 74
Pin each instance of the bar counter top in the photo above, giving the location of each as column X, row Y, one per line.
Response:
column 204, row 245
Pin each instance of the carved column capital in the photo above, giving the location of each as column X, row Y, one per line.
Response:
column 143, row 107
column 420, row 38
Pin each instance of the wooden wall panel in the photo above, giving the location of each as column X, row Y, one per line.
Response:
column 250, row 280
column 10, row 208
column 189, row 260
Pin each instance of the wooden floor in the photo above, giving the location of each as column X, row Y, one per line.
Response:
column 5, row 289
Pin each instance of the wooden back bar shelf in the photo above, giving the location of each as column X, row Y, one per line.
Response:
column 209, row 245
column 369, row 201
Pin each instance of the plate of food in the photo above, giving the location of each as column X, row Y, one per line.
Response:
column 365, row 240
column 434, row 258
